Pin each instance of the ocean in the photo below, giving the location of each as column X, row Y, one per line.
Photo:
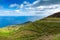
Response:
column 13, row 20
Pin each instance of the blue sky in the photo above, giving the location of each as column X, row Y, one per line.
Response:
column 29, row 7
column 7, row 3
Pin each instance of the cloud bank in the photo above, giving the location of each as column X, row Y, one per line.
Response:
column 37, row 8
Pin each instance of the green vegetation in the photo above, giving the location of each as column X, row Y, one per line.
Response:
column 56, row 37
column 38, row 30
column 51, row 19
column 45, row 29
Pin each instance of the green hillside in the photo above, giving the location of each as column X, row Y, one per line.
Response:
column 38, row 30
column 45, row 29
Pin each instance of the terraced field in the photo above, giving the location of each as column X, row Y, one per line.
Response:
column 38, row 30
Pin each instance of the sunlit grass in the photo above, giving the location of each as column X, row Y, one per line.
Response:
column 32, row 31
column 52, row 19
column 56, row 37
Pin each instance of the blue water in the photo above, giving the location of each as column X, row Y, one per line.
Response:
column 12, row 20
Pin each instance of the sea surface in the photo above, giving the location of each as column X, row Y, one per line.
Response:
column 13, row 20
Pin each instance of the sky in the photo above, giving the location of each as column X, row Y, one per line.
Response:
column 29, row 7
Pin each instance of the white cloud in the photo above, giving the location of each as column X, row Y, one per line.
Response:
column 22, row 6
column 37, row 1
column 48, row 7
column 17, row 11
column 25, row 4
column 13, row 5
column 28, row 10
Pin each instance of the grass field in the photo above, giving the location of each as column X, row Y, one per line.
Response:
column 38, row 30
column 51, row 19
column 56, row 37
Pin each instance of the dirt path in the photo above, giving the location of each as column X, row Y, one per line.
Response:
column 49, row 37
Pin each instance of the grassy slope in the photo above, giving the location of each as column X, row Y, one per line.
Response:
column 38, row 30
column 51, row 19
